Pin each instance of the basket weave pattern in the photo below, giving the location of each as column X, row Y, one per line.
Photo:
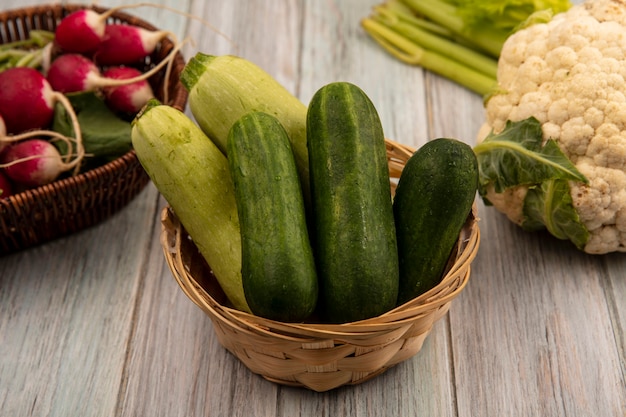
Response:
column 318, row 356
column 71, row 204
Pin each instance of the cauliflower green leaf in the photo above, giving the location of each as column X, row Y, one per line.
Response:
column 516, row 157
column 549, row 206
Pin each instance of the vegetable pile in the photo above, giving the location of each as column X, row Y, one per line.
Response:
column 65, row 103
column 291, row 205
column 458, row 39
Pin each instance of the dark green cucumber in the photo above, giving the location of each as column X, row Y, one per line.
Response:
column 434, row 196
column 278, row 270
column 355, row 242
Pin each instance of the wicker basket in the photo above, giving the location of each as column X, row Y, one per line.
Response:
column 319, row 357
column 72, row 204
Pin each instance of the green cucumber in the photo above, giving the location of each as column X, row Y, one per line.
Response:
column 193, row 176
column 433, row 198
column 278, row 270
column 355, row 242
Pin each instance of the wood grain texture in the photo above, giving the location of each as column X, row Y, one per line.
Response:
column 546, row 337
column 95, row 325
column 66, row 316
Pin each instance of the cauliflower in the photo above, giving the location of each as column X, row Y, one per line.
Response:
column 570, row 75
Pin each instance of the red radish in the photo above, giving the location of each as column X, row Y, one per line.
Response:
column 27, row 105
column 34, row 162
column 80, row 31
column 83, row 30
column 26, row 99
column 128, row 98
column 6, row 189
column 127, row 44
column 70, row 73
column 74, row 72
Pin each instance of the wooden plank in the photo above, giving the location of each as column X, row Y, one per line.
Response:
column 540, row 339
column 65, row 316
column 176, row 366
column 612, row 272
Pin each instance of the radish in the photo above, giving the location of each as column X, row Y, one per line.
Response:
column 81, row 31
column 70, row 73
column 27, row 102
column 34, row 162
column 26, row 99
column 127, row 44
column 27, row 106
column 129, row 98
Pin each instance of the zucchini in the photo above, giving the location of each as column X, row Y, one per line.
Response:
column 355, row 240
column 193, row 176
column 433, row 198
column 278, row 271
column 224, row 88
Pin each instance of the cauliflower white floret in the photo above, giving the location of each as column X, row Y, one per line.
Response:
column 570, row 74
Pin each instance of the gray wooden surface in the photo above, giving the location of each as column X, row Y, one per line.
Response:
column 95, row 325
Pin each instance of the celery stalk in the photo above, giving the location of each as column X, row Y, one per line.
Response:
column 487, row 38
column 458, row 39
column 401, row 23
column 411, row 53
column 406, row 14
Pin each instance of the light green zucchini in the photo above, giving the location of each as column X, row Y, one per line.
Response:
column 193, row 176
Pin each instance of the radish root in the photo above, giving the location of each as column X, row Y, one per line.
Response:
column 74, row 145
column 167, row 61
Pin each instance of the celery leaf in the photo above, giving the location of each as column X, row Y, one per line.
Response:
column 507, row 15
